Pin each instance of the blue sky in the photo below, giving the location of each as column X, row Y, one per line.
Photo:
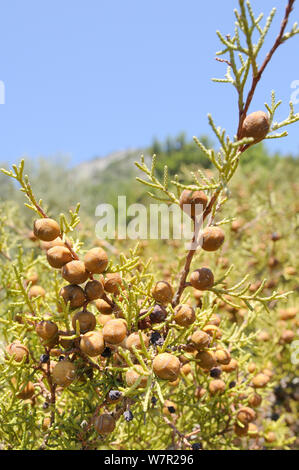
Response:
column 85, row 78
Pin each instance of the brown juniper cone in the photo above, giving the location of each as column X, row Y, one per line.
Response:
column 36, row 291
column 94, row 290
column 216, row 386
column 64, row 373
column 162, row 292
column 260, row 380
column 133, row 340
column 112, row 283
column 58, row 256
column 206, row 360
column 223, row 356
column 166, row 366
column 87, row 321
column 46, row 229
column 133, row 374
column 92, row 343
column 241, row 431
column 74, row 272
column 193, row 202
column 26, row 392
column 212, row 238
column 18, row 351
column 200, row 339
column 246, row 415
column 256, row 125
column 202, row 279
column 74, row 295
column 184, row 315
column 96, row 260
column 104, row 307
column 104, row 424
column 46, row 329
column 115, row 331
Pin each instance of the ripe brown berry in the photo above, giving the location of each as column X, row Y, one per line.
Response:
column 166, row 366
column 96, row 260
column 230, row 367
column 241, row 431
column 18, row 350
column 87, row 321
column 46, row 229
column 134, row 340
column 200, row 339
column 186, row 369
column 112, row 283
column 103, row 307
column 253, row 430
column 74, row 295
column 216, row 386
column 270, row 437
column 260, row 380
column 213, row 331
column 46, row 329
column 115, row 331
column 251, row 367
column 193, row 202
column 222, row 356
column 31, row 277
column 104, row 424
column 256, row 125
column 288, row 314
column 184, row 315
column 158, row 314
column 94, row 290
column 206, row 360
column 64, row 373
column 254, row 399
column 103, row 319
column 246, row 415
column 26, row 392
column 36, row 291
column 263, row 336
column 92, row 343
column 287, row 337
column 162, row 292
column 133, row 374
column 202, row 279
column 212, row 238
column 58, row 256
column 74, row 272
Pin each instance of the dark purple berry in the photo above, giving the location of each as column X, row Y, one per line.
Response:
column 215, row 372
column 158, row 314
column 154, row 400
column 155, row 337
column 114, row 395
column 44, row 358
column 128, row 415
column 171, row 409
column 106, row 353
column 196, row 446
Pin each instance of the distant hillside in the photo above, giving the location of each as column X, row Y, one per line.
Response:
column 97, row 166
